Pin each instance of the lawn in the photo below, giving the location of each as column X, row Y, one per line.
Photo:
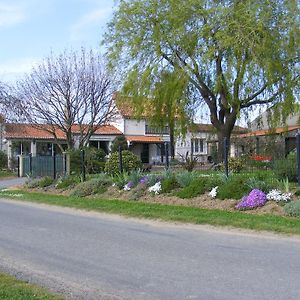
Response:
column 5, row 173
column 166, row 212
column 13, row 289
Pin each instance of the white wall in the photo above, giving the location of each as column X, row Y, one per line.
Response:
column 262, row 122
column 183, row 145
column 134, row 127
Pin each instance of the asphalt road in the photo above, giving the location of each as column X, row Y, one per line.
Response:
column 94, row 256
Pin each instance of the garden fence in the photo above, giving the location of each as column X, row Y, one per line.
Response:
column 41, row 166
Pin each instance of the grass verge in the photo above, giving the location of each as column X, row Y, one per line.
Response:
column 4, row 174
column 165, row 212
column 13, row 289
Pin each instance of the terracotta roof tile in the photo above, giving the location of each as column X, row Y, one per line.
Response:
column 200, row 127
column 29, row 131
column 278, row 130
column 144, row 139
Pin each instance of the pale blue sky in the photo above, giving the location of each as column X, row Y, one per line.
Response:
column 31, row 29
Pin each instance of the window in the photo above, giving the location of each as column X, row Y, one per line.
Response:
column 198, row 145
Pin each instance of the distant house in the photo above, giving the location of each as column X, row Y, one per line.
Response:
column 27, row 138
column 146, row 142
column 267, row 140
column 201, row 142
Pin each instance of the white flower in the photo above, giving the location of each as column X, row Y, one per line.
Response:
column 156, row 188
column 126, row 187
column 213, row 192
column 278, row 196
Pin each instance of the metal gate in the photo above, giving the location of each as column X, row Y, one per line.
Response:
column 41, row 166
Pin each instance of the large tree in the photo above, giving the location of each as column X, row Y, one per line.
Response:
column 235, row 54
column 70, row 93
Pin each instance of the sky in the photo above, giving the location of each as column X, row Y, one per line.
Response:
column 31, row 29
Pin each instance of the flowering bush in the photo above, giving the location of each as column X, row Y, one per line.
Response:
column 278, row 196
column 156, row 188
column 255, row 199
column 128, row 186
column 213, row 192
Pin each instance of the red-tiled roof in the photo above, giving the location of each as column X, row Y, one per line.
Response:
column 278, row 130
column 29, row 131
column 200, row 127
column 144, row 139
column 127, row 108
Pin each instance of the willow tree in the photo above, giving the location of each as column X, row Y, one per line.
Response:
column 236, row 54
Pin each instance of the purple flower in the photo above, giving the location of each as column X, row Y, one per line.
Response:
column 255, row 199
column 130, row 184
column 144, row 180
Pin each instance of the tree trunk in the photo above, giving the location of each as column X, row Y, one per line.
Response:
column 172, row 143
column 222, row 134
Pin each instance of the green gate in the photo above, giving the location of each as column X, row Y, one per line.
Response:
column 41, row 166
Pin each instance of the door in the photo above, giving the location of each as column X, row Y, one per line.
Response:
column 145, row 154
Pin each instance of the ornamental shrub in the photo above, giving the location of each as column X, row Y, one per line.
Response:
column 292, row 209
column 233, row 188
column 256, row 198
column 197, row 187
column 94, row 160
column 94, row 186
column 130, row 162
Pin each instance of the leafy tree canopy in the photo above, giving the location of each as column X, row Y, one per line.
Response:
column 233, row 54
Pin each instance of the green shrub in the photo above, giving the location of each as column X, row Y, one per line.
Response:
column 119, row 141
column 130, row 162
column 168, row 184
column 235, row 187
column 3, row 160
column 292, row 209
column 91, row 187
column 94, row 160
column 286, row 168
column 197, row 187
column 185, row 178
column 45, row 181
column 235, row 164
column 67, row 181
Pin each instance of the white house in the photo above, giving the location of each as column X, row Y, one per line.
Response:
column 201, row 142
column 146, row 142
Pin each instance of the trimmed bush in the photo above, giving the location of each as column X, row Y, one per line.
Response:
column 292, row 209
column 94, row 160
column 130, row 162
column 233, row 188
column 197, row 187
column 91, row 187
